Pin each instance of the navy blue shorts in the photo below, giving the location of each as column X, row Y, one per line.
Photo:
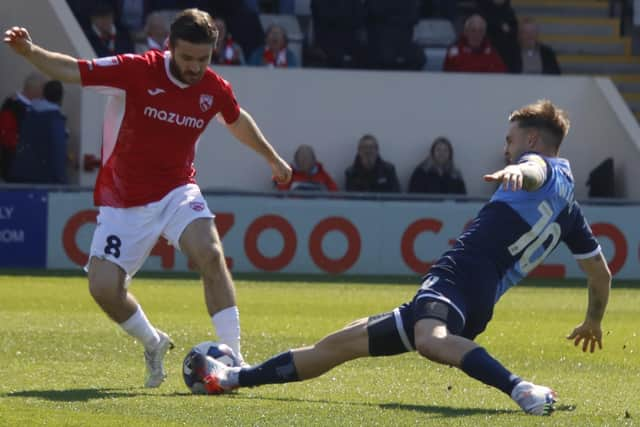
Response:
column 464, row 304
column 462, row 298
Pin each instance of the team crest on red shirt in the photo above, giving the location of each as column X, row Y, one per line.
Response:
column 196, row 206
column 206, row 101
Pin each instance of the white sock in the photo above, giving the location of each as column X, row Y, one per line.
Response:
column 227, row 325
column 138, row 326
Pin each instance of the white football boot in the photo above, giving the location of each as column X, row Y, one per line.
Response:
column 534, row 399
column 220, row 378
column 154, row 360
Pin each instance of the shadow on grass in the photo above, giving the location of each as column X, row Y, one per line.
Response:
column 443, row 411
column 449, row 411
column 80, row 394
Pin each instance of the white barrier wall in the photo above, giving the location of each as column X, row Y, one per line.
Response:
column 331, row 109
column 266, row 234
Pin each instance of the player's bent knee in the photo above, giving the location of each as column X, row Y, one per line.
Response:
column 209, row 256
column 106, row 281
column 104, row 290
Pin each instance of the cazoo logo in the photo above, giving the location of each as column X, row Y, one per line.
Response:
column 169, row 117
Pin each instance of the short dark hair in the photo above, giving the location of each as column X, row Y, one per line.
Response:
column 544, row 116
column 368, row 137
column 53, row 91
column 193, row 26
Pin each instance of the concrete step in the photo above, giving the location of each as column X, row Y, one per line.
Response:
column 556, row 25
column 626, row 82
column 584, row 64
column 582, row 9
column 633, row 100
column 588, row 45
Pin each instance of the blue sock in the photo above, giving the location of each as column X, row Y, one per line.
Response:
column 480, row 365
column 278, row 369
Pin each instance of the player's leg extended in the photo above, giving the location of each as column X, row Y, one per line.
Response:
column 299, row 364
column 384, row 334
column 349, row 343
column 201, row 243
column 434, row 341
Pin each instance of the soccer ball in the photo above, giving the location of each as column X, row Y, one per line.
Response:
column 202, row 354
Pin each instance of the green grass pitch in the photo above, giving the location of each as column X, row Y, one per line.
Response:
column 62, row 362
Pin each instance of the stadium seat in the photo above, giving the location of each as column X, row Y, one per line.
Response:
column 434, row 33
column 291, row 26
column 303, row 7
column 435, row 58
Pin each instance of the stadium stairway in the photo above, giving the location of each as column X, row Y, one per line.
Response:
column 587, row 41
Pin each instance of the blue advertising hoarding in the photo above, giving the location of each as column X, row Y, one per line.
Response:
column 23, row 229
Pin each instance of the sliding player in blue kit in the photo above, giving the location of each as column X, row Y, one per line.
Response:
column 532, row 211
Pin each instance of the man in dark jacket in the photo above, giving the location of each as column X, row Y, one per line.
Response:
column 12, row 112
column 41, row 155
column 534, row 57
column 105, row 38
column 369, row 173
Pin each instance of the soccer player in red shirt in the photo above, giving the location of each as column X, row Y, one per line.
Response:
column 159, row 104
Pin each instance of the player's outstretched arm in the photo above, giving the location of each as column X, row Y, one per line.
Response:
column 56, row 65
column 599, row 283
column 528, row 176
column 246, row 131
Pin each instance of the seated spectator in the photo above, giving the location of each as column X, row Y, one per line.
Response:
column 390, row 35
column 227, row 51
column 502, row 28
column 437, row 173
column 534, row 57
column 275, row 52
column 338, row 33
column 156, row 31
column 369, row 172
column 41, row 155
column 103, row 35
column 308, row 173
column 12, row 114
column 473, row 52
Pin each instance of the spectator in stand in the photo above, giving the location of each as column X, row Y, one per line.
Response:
column 473, row 52
column 131, row 15
column 106, row 39
column 275, row 52
column 12, row 113
column 41, row 155
column 390, row 35
column 534, row 57
column 227, row 51
column 156, row 31
column 437, row 173
column 502, row 28
column 338, row 33
column 369, row 173
column 308, row 173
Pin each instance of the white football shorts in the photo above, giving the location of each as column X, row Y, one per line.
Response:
column 126, row 236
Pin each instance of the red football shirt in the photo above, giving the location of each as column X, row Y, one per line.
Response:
column 151, row 126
